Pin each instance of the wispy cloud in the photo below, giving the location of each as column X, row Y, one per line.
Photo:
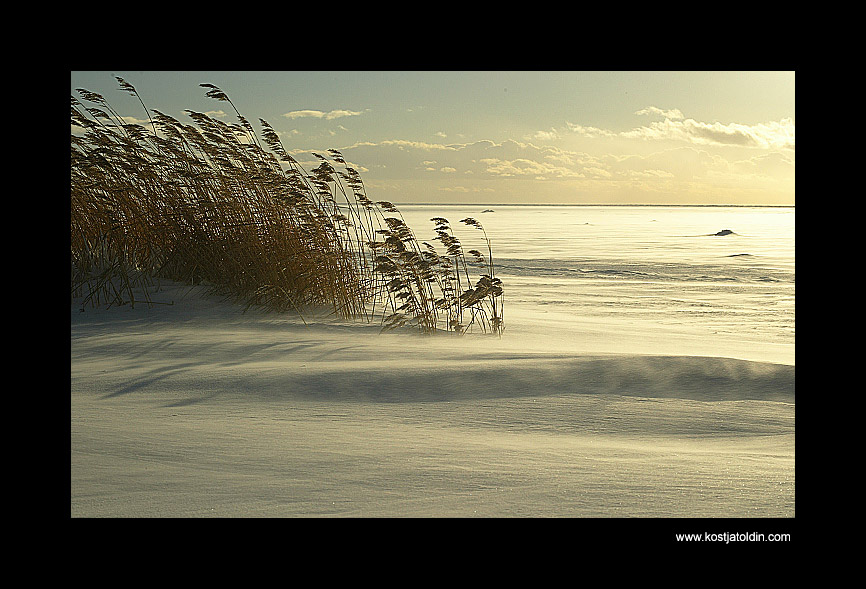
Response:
column 550, row 135
column 505, row 168
column 480, row 158
column 673, row 113
column 319, row 114
column 675, row 127
column 773, row 135
column 589, row 131
column 528, row 167
column 772, row 164
column 465, row 189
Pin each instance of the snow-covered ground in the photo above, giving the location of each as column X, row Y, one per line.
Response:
column 196, row 409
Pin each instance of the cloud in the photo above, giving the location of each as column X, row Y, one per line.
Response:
column 597, row 172
column 684, row 163
column 671, row 169
column 464, row 189
column 509, row 167
column 318, row 114
column 764, row 135
column 480, row 159
column 648, row 174
column 546, row 135
column 135, row 121
column 771, row 165
column 673, row 113
column 589, row 131
column 675, row 127
column 402, row 144
column 527, row 167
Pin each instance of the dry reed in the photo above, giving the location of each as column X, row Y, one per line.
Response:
column 213, row 203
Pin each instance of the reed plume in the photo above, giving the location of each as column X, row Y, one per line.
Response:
column 214, row 203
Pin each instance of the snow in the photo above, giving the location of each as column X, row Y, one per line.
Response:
column 197, row 409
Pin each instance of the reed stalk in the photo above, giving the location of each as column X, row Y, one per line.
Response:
column 215, row 203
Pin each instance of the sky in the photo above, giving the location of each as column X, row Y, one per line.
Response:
column 510, row 137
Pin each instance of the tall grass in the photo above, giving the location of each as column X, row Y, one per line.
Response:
column 217, row 203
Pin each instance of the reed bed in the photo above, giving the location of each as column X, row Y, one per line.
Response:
column 218, row 204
